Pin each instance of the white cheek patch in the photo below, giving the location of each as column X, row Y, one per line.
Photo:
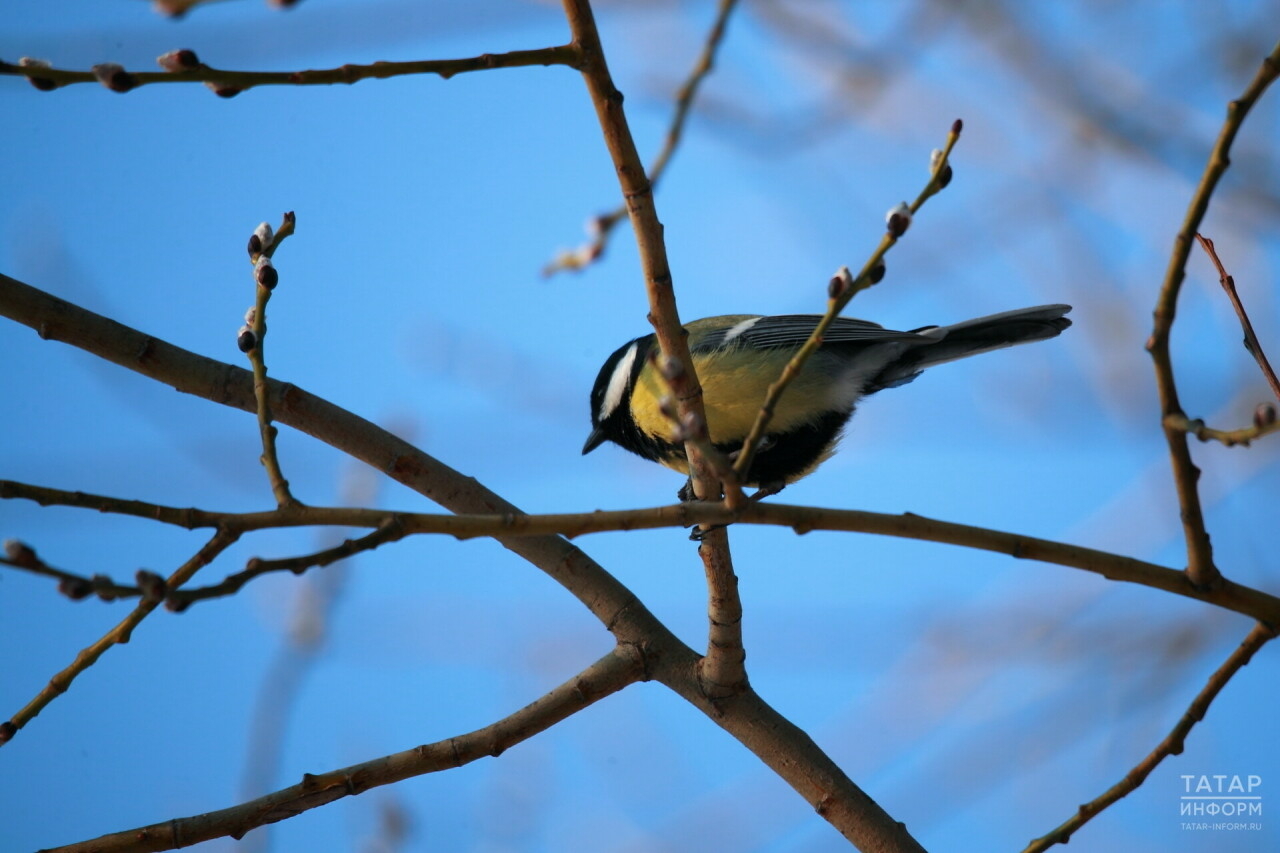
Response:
column 618, row 383
column 740, row 328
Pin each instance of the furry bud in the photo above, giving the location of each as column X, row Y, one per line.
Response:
column 178, row 60
column 898, row 220
column 114, row 77
column 44, row 84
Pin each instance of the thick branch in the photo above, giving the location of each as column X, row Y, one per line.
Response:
column 1200, row 567
column 723, row 670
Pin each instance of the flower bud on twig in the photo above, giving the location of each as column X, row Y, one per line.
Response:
column 176, row 605
column 20, row 552
column 898, row 220
column 246, row 340
column 102, row 586
column 840, row 283
column 44, row 84
column 265, row 273
column 152, row 585
column 877, row 273
column 178, row 60
column 222, row 90
column 114, row 77
column 1264, row 416
column 75, row 588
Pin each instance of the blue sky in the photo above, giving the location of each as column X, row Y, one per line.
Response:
column 979, row 699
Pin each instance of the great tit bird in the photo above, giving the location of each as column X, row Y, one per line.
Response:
column 737, row 357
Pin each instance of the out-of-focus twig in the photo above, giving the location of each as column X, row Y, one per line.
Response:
column 602, row 226
column 1251, row 342
column 1171, row 745
column 1200, row 567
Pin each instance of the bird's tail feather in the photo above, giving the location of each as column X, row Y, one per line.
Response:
column 972, row 337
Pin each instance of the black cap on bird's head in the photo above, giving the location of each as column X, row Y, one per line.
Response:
column 610, row 417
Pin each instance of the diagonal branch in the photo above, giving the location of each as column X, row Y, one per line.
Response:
column 1171, row 745
column 120, row 634
column 621, row 667
column 842, row 289
column 602, row 226
column 637, row 191
column 1251, row 342
column 1200, row 567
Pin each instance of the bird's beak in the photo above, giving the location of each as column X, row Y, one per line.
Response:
column 594, row 440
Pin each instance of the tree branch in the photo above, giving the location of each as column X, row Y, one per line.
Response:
column 120, row 634
column 1200, row 566
column 227, row 83
column 622, row 666
column 604, row 224
column 509, row 527
column 637, row 191
column 842, row 289
column 1251, row 342
column 1171, row 745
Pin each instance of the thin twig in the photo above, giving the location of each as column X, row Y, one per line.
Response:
column 602, row 226
column 120, row 634
column 1228, row 437
column 1171, row 745
column 614, row 671
column 228, row 82
column 391, row 530
column 1251, row 342
column 1200, row 566
column 267, row 432
column 843, row 288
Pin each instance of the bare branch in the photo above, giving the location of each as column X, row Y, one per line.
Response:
column 603, row 225
column 1264, row 423
column 510, row 527
column 637, row 191
column 1251, row 342
column 1171, row 745
column 622, row 666
column 842, row 289
column 120, row 634
column 1200, row 566
column 228, row 83
column 723, row 670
